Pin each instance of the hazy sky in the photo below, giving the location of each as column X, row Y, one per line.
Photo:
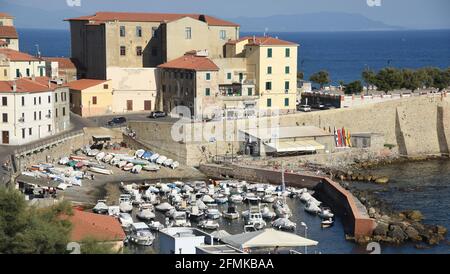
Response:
column 404, row 13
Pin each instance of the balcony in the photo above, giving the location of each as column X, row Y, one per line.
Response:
column 235, row 92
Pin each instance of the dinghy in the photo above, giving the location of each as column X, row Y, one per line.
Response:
column 325, row 213
column 151, row 167
column 100, row 156
column 139, row 153
column 327, row 223
column 231, row 213
column 209, row 224
column 136, row 169
column 128, row 167
column 161, row 160
column 145, row 214
column 101, row 170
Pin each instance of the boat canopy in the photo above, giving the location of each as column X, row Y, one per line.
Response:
column 101, row 138
column 267, row 238
column 294, row 146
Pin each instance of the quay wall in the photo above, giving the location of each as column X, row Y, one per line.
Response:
column 355, row 218
column 414, row 126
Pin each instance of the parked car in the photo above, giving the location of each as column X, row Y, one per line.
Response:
column 304, row 108
column 157, row 114
column 117, row 121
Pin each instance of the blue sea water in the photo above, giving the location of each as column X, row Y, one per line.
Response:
column 343, row 54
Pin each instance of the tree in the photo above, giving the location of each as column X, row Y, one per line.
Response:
column 93, row 246
column 353, row 88
column 411, row 79
column 441, row 79
column 389, row 79
column 28, row 230
column 321, row 78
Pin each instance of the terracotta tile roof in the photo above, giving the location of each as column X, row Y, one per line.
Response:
column 63, row 63
column 91, row 225
column 85, row 83
column 3, row 43
column 5, row 15
column 15, row 55
column 191, row 62
column 151, row 17
column 40, row 84
column 263, row 41
column 8, row 32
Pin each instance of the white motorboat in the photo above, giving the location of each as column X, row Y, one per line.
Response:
column 305, row 197
column 325, row 213
column 140, row 234
column 93, row 152
column 175, row 165
column 100, row 156
column 208, row 224
column 161, row 160
column 252, row 198
column 139, row 153
column 64, row 161
column 236, row 198
column 136, row 169
column 125, row 219
column 268, row 199
column 108, row 158
column 221, row 199
column 100, row 207
column 284, row 224
column 151, row 167
column 145, row 214
column 201, row 205
column 121, row 164
column 114, row 162
column 180, row 219
column 114, row 211
column 282, row 209
column 168, row 162
column 213, row 212
column 327, row 223
column 267, row 214
column 154, row 157
column 101, row 170
column 207, row 199
column 164, row 207
column 231, row 213
column 128, row 167
column 312, row 208
column 255, row 219
column 195, row 214
column 125, row 203
column 155, row 225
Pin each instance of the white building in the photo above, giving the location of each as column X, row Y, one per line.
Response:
column 182, row 240
column 32, row 109
column 15, row 64
column 8, row 33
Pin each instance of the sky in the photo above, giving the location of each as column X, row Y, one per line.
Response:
column 411, row 14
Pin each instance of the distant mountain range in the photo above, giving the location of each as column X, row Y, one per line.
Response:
column 35, row 17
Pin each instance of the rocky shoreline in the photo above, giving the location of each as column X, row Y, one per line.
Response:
column 392, row 227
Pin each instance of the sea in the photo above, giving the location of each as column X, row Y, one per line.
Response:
column 343, row 54
column 424, row 186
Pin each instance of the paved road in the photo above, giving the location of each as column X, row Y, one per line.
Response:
column 102, row 121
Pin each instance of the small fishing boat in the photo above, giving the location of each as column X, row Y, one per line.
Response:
column 325, row 213
column 221, row 199
column 164, row 207
column 305, row 197
column 312, row 208
column 151, row 167
column 114, row 162
column 161, row 160
column 93, row 152
column 207, row 199
column 268, row 199
column 100, row 156
column 121, row 164
column 155, row 225
column 64, row 161
column 128, row 167
column 195, row 214
column 108, row 158
column 100, row 207
column 282, row 209
column 125, row 219
column 327, row 223
column 154, row 157
column 175, row 165
column 252, row 198
column 284, row 224
column 213, row 212
column 147, row 155
column 208, row 224
column 140, row 234
column 231, row 213
column 267, row 214
column 255, row 219
column 136, row 169
column 145, row 214
column 139, row 153
column 101, row 170
column 125, row 203
column 236, row 198
column 138, row 162
column 168, row 162
column 180, row 219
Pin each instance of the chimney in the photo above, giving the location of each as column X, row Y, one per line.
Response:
column 14, row 86
column 33, row 77
column 49, row 83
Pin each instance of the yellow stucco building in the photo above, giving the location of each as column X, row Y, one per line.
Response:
column 90, row 97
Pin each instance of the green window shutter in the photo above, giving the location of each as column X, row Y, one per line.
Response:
column 269, row 53
column 207, row 91
column 269, row 102
column 286, row 102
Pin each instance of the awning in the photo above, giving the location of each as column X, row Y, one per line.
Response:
column 295, row 146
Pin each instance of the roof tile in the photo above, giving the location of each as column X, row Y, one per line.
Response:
column 191, row 62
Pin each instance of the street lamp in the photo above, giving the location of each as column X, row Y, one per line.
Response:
column 306, row 235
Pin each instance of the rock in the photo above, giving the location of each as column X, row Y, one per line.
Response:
column 368, row 178
column 386, row 218
column 440, row 230
column 413, row 234
column 382, row 180
column 397, row 233
column 360, row 177
column 414, row 215
column 372, row 212
column 381, row 229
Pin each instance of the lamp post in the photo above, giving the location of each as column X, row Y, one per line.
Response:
column 306, row 235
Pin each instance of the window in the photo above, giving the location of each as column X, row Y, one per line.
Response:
column 94, row 100
column 35, row 117
column 286, row 85
column 40, row 115
column 207, row 91
column 250, row 91
column 34, row 99
column 269, row 53
column 287, row 70
column 154, row 51
column 139, row 51
column 64, row 111
column 105, row 86
column 62, row 97
column 49, row 114
column 56, row 112
column 154, row 32
column 23, row 117
column 287, row 52
column 122, row 31
column 208, row 76
column 268, row 85
column 18, row 73
column 269, row 70
column 229, row 75
column 122, row 51
column 188, row 33
column 223, row 34
column 40, row 100
column 269, row 102
column 139, row 31
column 49, row 128
column 30, row 131
column 41, row 71
column 23, row 101
column 5, row 72
column 5, row 117
column 23, row 133
column 286, row 102
column 4, row 101
column 28, row 72
column 56, row 98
